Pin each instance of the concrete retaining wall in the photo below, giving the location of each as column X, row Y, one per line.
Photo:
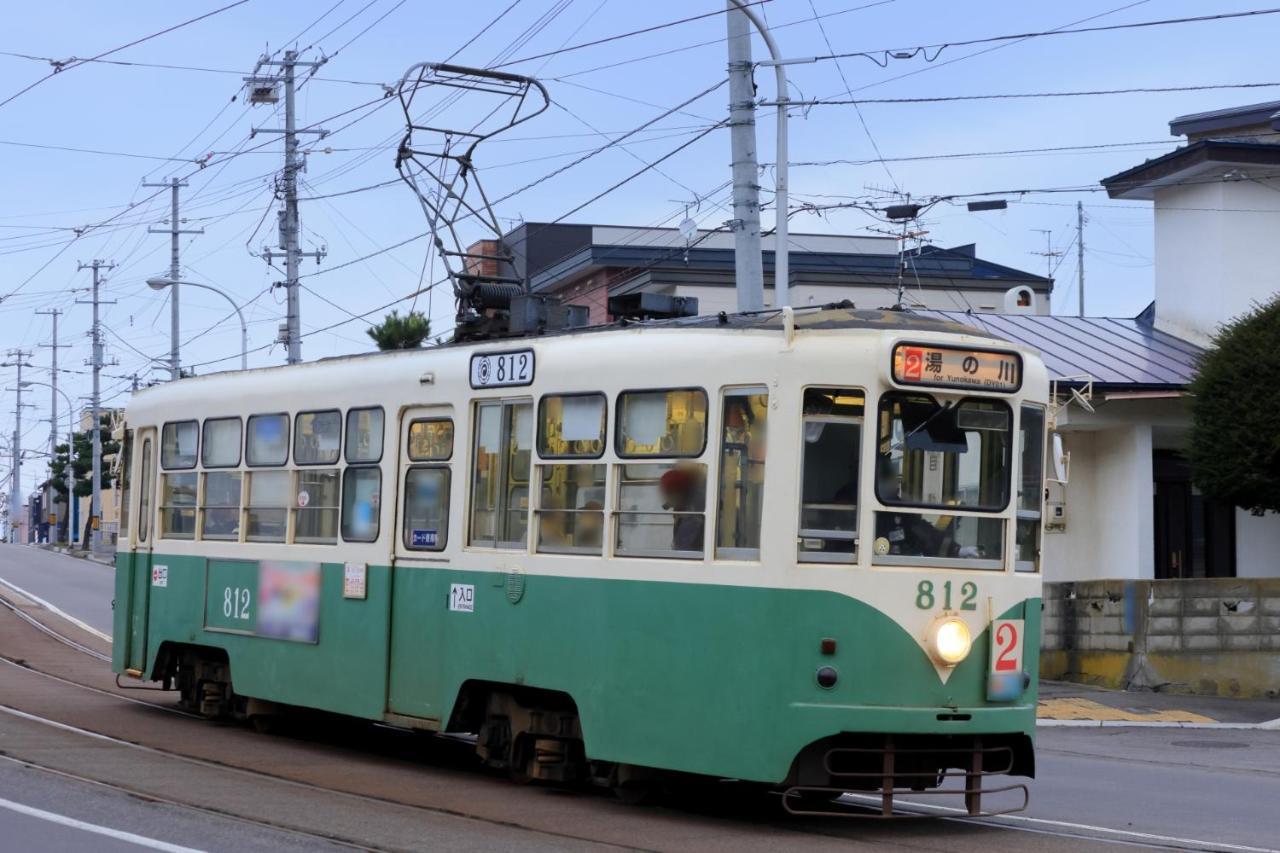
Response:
column 1218, row 637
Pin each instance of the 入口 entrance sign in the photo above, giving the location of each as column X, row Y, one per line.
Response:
column 953, row 367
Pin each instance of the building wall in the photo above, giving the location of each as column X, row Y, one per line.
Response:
column 1218, row 636
column 1257, row 545
column 1215, row 256
column 713, row 300
column 1109, row 529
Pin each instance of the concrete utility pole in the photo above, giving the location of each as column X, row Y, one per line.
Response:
column 290, row 225
column 15, row 492
column 175, row 229
column 95, row 505
column 54, row 346
column 748, row 264
column 1080, row 253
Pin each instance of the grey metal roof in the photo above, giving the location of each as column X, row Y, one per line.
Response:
column 1114, row 351
column 1224, row 119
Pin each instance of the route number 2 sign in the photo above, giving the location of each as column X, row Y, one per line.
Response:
column 1006, row 645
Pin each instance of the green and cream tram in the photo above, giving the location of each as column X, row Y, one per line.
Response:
column 795, row 548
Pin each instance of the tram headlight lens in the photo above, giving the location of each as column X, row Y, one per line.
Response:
column 951, row 641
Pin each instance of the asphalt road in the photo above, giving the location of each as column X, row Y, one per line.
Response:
column 81, row 588
column 1097, row 788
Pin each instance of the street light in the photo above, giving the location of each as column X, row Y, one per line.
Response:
column 161, row 282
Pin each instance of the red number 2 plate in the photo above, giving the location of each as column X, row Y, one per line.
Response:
column 1006, row 645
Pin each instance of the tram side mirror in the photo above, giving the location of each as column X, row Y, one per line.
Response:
column 1061, row 460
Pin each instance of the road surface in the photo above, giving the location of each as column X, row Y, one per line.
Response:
column 81, row 588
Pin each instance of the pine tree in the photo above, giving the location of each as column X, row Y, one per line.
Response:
column 1235, row 437
column 82, row 464
column 396, row 332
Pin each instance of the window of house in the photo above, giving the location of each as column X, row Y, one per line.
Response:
column 364, row 435
column 1030, row 489
column 500, row 474
column 178, row 506
column 570, row 514
column 220, row 506
column 315, row 505
column 317, row 438
column 178, row 445
column 662, row 423
column 661, row 509
column 361, row 503
column 268, row 441
column 431, row 440
column 144, row 497
column 426, row 508
column 742, row 451
column 832, row 421
column 571, row 425
column 221, row 443
column 267, row 512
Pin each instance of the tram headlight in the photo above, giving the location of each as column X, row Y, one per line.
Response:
column 950, row 641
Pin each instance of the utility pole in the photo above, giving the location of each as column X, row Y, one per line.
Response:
column 1080, row 254
column 54, row 346
column 1049, row 252
column 175, row 271
column 748, row 265
column 95, row 505
column 15, row 492
column 262, row 91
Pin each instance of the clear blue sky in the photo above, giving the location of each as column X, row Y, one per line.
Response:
column 156, row 112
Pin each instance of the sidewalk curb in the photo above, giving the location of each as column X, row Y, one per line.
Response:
column 1268, row 725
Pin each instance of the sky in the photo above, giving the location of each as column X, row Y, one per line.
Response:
column 173, row 106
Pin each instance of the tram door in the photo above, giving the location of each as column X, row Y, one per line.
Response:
column 419, row 582
column 140, row 544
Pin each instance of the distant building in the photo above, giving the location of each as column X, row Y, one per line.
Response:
column 586, row 264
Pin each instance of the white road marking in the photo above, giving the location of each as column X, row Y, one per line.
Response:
column 57, row 611
column 119, row 835
column 1126, row 834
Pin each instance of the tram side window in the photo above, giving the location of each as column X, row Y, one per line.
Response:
column 426, row 508
column 126, row 459
column 670, row 424
column 742, row 452
column 832, row 420
column 501, row 459
column 178, row 445
column 1030, row 489
column 268, row 442
column 144, row 497
column 361, row 503
column 662, row 510
column 178, row 506
column 267, row 512
column 220, row 505
column 364, row 435
column 317, row 438
column 315, row 506
column 570, row 511
column 221, row 443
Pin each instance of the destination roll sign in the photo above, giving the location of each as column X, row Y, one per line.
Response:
column 953, row 367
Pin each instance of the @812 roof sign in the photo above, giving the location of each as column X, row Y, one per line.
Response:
column 502, row 369
column 956, row 367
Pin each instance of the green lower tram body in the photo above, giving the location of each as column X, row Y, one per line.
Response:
column 714, row 680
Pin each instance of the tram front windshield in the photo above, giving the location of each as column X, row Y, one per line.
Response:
column 942, row 456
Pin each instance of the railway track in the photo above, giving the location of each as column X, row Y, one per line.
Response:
column 746, row 819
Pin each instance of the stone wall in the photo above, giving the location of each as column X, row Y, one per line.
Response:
column 1217, row 636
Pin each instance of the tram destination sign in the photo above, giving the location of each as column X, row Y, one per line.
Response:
column 956, row 367
column 502, row 369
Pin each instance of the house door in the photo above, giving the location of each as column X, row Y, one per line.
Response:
column 420, row 585
column 141, row 536
column 1195, row 535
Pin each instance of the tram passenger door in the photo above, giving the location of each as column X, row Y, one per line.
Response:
column 419, row 580
column 141, row 535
